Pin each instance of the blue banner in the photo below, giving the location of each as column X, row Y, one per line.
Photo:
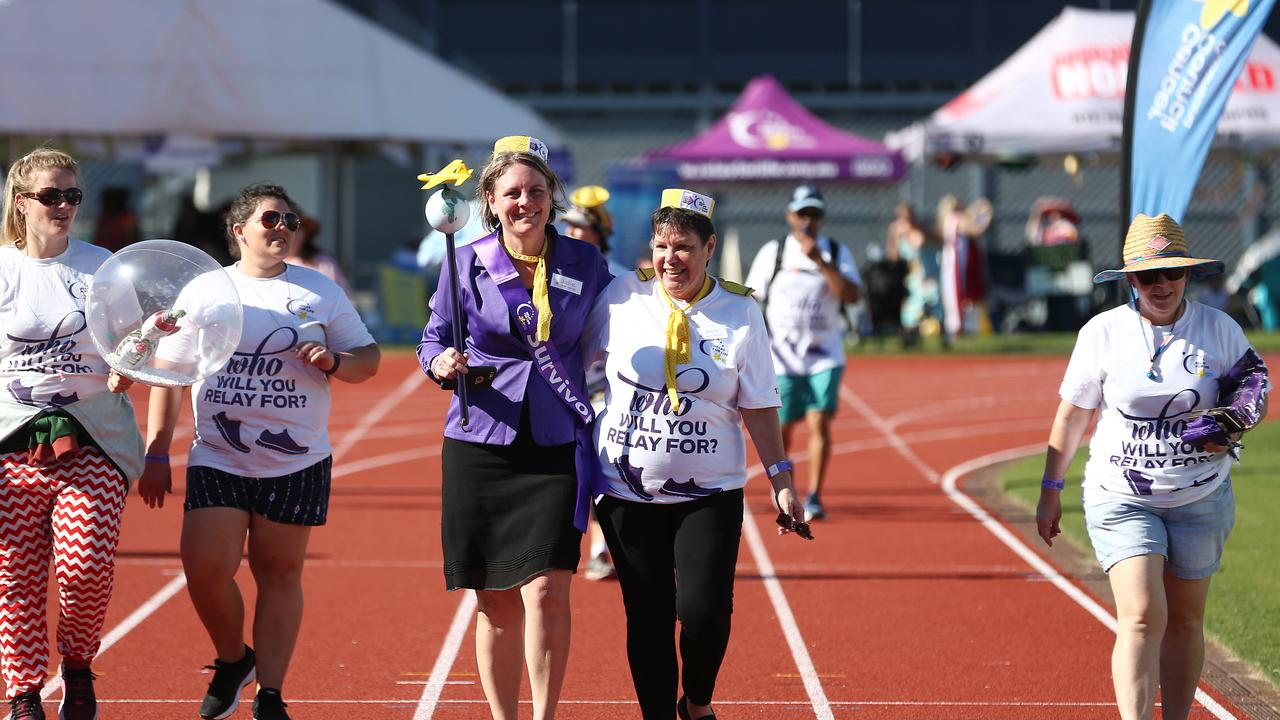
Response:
column 1186, row 56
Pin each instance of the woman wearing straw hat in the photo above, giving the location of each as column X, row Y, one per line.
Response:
column 1176, row 383
column 517, row 474
column 671, row 447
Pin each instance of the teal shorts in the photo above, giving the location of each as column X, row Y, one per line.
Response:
column 802, row 394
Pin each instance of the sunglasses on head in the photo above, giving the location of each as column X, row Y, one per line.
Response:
column 1149, row 277
column 271, row 220
column 52, row 196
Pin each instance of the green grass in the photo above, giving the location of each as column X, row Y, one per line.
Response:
column 1244, row 603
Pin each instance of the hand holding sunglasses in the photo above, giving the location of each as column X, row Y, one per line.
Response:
column 52, row 196
column 799, row 527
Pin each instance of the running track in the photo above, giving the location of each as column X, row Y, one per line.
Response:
column 906, row 606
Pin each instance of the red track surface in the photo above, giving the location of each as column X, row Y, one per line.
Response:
column 905, row 605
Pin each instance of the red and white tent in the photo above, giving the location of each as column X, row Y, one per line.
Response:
column 1064, row 92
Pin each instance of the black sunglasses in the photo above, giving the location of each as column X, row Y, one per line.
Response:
column 1150, row 277
column 51, row 196
column 271, row 220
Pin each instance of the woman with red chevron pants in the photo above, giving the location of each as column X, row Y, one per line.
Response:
column 69, row 443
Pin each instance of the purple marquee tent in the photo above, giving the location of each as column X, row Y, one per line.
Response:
column 768, row 136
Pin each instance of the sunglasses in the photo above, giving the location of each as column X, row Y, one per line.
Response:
column 802, row 529
column 1150, row 277
column 271, row 219
column 51, row 196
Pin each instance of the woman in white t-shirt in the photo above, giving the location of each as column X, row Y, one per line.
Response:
column 671, row 448
column 1175, row 383
column 69, row 443
column 260, row 464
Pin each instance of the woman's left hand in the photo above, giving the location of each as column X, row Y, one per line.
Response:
column 316, row 355
column 789, row 503
column 118, row 383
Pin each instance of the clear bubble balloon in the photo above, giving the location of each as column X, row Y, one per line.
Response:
column 164, row 313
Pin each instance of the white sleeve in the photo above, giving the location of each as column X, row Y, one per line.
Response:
column 595, row 333
column 1082, row 383
column 761, row 273
column 757, row 383
column 846, row 264
column 345, row 330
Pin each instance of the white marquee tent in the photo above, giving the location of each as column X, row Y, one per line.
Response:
column 284, row 69
column 1064, row 92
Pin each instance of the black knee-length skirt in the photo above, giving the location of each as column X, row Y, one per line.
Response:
column 507, row 512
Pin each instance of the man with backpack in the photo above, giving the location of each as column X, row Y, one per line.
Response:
column 804, row 281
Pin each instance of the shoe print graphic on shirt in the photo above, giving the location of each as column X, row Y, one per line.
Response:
column 631, row 476
column 229, row 428
column 688, row 489
column 23, row 394
column 281, row 442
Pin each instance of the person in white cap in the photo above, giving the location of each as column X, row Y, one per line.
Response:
column 804, row 280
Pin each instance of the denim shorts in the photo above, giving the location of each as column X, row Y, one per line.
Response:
column 1190, row 537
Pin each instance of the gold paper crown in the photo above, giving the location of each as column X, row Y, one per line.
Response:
column 689, row 200
column 589, row 196
column 521, row 144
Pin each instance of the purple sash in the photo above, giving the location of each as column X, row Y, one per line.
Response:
column 546, row 359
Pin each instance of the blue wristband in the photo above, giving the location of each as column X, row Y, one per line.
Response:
column 778, row 468
column 1050, row 484
column 156, row 458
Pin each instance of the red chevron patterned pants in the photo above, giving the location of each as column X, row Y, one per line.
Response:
column 72, row 509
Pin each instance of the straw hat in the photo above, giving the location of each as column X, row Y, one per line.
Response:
column 1158, row 242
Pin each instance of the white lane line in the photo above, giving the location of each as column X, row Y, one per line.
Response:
column 1014, row 543
column 400, row 703
column 162, row 596
column 411, row 383
column 392, row 458
column 444, row 661
column 153, row 603
column 786, row 619
column 889, row 433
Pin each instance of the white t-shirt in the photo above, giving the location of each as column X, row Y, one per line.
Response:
column 266, row 412
column 47, row 358
column 804, row 317
column 673, row 455
column 1136, row 450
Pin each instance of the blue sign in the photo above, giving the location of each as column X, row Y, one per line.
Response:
column 1188, row 56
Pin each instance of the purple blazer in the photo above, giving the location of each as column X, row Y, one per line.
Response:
column 495, row 411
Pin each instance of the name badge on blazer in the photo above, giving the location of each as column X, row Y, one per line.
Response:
column 566, row 283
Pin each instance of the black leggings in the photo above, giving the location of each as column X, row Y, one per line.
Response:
column 675, row 561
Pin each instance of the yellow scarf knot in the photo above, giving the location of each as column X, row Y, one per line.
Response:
column 678, row 349
column 541, row 300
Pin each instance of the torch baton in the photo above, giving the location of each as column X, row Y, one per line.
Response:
column 448, row 212
column 460, row 386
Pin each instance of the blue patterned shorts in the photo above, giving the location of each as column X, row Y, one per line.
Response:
column 300, row 498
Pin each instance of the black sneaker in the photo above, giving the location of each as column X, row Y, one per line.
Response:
column 78, row 699
column 26, row 706
column 268, row 705
column 229, row 678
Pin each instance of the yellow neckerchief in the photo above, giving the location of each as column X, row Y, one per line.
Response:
column 541, row 301
column 677, row 350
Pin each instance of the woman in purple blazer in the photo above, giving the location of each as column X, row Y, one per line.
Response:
column 518, row 476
